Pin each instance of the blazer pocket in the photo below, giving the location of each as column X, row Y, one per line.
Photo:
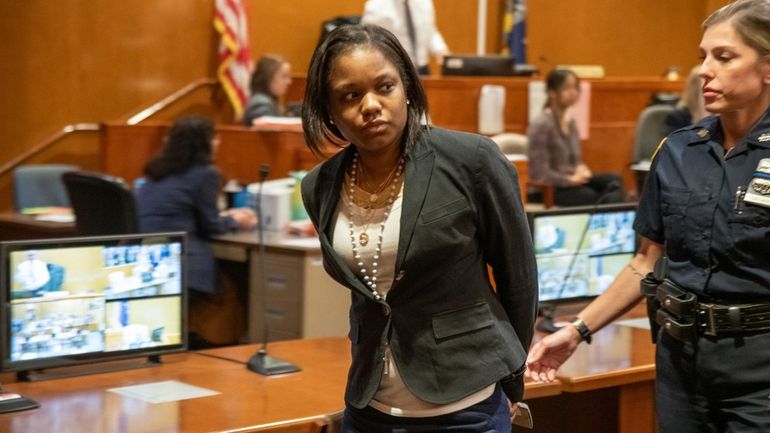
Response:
column 447, row 209
column 461, row 321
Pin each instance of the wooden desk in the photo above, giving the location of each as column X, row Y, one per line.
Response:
column 607, row 386
column 622, row 358
column 301, row 299
column 248, row 401
column 15, row 226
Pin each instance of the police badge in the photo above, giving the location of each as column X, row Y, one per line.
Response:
column 758, row 191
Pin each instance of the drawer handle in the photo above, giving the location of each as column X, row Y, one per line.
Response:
column 276, row 282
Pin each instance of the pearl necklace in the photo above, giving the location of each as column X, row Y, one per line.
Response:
column 363, row 238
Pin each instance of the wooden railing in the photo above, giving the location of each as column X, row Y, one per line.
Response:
column 171, row 99
column 90, row 157
column 142, row 115
column 47, row 143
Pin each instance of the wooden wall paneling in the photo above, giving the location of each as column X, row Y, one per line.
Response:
column 615, row 108
column 455, row 19
column 127, row 148
column 713, row 5
column 76, row 61
column 453, row 102
column 623, row 98
column 625, row 37
column 609, row 149
column 291, row 28
column 636, row 403
column 242, row 151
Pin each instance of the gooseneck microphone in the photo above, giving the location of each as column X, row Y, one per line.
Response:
column 547, row 323
column 261, row 362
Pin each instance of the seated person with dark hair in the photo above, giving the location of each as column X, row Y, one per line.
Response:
column 181, row 194
column 554, row 149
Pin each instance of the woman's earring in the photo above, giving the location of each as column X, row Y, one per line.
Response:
column 407, row 102
column 331, row 121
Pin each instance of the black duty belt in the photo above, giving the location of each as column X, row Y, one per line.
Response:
column 684, row 317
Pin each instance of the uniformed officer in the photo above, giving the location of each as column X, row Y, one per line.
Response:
column 706, row 207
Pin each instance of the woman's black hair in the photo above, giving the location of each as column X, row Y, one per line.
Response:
column 555, row 80
column 316, row 120
column 188, row 143
column 266, row 68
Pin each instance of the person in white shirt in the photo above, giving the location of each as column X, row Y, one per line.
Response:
column 420, row 39
column 32, row 273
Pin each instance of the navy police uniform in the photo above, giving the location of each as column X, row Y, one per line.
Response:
column 711, row 210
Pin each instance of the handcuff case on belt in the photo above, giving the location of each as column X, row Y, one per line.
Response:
column 649, row 289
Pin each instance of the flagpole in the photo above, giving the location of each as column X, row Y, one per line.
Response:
column 481, row 26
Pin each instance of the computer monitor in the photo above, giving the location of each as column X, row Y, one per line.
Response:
column 478, row 65
column 580, row 250
column 86, row 299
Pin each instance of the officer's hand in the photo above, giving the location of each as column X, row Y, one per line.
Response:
column 548, row 354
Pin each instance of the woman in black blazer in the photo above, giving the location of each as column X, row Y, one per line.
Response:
column 409, row 217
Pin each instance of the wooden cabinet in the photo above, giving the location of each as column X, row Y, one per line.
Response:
column 296, row 297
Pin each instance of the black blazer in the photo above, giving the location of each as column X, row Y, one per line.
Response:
column 187, row 202
column 450, row 333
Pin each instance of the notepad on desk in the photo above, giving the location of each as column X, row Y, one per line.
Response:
column 46, row 210
column 280, row 120
column 56, row 217
column 163, row 392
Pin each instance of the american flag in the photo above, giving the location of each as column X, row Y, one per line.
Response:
column 234, row 69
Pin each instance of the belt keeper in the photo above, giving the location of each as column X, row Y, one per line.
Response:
column 734, row 315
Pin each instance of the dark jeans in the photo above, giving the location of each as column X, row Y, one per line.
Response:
column 489, row 416
column 591, row 192
column 713, row 384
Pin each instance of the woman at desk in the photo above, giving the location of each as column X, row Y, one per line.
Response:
column 554, row 149
column 408, row 217
column 705, row 206
column 269, row 82
column 180, row 194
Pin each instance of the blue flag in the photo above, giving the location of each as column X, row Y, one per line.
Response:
column 514, row 26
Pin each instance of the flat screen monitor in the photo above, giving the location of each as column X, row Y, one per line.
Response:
column 478, row 65
column 79, row 300
column 580, row 250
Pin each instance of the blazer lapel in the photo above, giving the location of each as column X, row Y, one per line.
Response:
column 333, row 175
column 416, row 181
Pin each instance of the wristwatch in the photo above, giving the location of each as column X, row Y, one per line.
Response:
column 582, row 329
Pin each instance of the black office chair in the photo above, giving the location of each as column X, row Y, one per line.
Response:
column 103, row 204
column 650, row 130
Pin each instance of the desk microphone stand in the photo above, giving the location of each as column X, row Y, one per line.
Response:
column 261, row 362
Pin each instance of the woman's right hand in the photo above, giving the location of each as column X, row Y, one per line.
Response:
column 548, row 354
column 244, row 217
column 578, row 178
